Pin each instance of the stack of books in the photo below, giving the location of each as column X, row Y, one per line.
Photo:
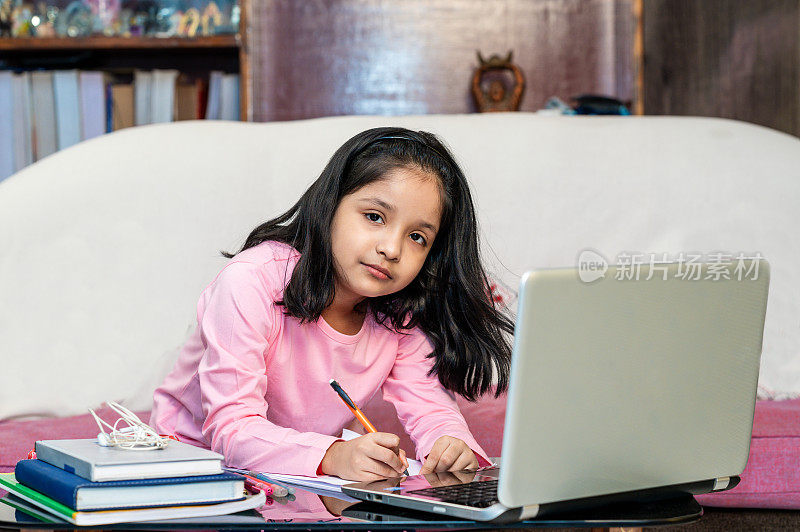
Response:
column 84, row 483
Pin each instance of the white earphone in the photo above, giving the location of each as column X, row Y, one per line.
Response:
column 137, row 436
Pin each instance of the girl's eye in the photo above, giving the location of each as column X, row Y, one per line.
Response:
column 420, row 237
column 373, row 217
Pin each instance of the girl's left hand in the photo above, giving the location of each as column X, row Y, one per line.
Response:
column 449, row 454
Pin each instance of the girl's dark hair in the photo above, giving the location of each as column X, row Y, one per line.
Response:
column 449, row 300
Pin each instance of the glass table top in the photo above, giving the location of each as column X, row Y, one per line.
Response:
column 308, row 510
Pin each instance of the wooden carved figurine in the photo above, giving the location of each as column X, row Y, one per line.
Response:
column 489, row 87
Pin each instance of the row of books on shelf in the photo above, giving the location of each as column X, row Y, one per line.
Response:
column 84, row 483
column 42, row 112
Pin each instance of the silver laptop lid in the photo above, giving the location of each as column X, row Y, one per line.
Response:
column 620, row 385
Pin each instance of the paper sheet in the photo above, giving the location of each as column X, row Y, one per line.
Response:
column 330, row 483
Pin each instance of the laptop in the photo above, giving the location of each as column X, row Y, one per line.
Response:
column 621, row 388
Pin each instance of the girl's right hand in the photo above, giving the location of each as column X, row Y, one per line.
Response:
column 369, row 457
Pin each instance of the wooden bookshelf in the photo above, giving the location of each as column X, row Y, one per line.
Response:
column 194, row 55
column 19, row 44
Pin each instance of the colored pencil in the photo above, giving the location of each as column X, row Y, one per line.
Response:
column 270, row 488
column 355, row 410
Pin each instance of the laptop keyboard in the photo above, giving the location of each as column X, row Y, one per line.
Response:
column 475, row 494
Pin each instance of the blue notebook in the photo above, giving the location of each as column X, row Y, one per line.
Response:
column 81, row 494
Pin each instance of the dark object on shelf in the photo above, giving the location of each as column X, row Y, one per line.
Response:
column 592, row 104
column 490, row 84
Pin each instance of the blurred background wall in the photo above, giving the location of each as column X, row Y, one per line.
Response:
column 727, row 58
column 331, row 57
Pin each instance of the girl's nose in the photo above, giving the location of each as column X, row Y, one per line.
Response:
column 390, row 247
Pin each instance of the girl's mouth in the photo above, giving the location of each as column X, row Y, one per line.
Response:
column 377, row 271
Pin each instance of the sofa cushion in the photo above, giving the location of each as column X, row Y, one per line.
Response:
column 771, row 478
column 113, row 255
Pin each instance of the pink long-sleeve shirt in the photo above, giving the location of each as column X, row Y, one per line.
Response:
column 253, row 383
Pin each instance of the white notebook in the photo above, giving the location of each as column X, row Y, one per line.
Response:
column 93, row 104
column 23, row 126
column 44, row 113
column 6, row 125
column 66, row 91
column 143, row 95
column 90, row 460
column 162, row 103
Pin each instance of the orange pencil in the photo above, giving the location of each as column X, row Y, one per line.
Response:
column 355, row 410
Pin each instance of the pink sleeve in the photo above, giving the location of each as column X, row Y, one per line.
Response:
column 235, row 327
column 425, row 408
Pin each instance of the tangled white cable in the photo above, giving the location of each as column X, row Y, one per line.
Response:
column 137, row 436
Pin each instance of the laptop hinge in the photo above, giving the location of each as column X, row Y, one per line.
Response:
column 721, row 483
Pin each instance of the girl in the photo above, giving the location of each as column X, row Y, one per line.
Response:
column 372, row 278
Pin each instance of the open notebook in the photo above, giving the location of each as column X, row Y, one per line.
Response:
column 329, row 483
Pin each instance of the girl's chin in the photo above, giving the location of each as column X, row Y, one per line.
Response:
column 374, row 288
column 375, row 293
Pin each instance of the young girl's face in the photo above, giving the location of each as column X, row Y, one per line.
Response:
column 382, row 233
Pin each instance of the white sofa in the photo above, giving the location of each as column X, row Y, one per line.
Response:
column 106, row 246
